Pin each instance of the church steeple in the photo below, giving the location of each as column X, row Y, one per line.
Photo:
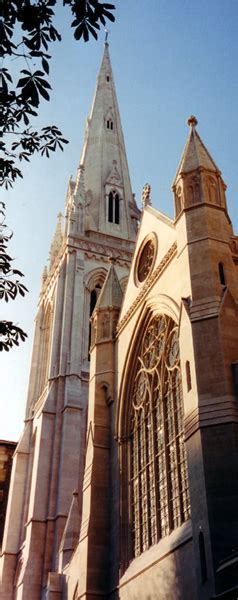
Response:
column 198, row 178
column 101, row 218
column 108, row 194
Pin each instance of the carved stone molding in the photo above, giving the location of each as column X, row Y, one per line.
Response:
column 101, row 250
column 219, row 411
column 98, row 257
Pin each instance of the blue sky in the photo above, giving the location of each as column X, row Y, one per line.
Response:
column 170, row 60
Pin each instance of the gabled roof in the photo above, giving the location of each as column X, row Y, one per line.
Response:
column 195, row 153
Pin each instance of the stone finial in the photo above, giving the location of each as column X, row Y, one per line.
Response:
column 145, row 197
column 81, row 168
column 58, row 232
column 192, row 121
column 44, row 275
column 80, row 178
column 57, row 240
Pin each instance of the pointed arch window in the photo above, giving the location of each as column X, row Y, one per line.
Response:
column 158, row 479
column 45, row 349
column 188, row 375
column 221, row 273
column 110, row 124
column 113, row 207
column 93, row 301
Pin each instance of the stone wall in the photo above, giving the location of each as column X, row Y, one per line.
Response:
column 6, row 451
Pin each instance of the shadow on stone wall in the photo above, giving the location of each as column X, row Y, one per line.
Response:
column 164, row 572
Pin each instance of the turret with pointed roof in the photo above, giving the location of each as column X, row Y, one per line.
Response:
column 202, row 220
column 198, row 178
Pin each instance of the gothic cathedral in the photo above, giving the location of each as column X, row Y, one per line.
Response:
column 124, row 483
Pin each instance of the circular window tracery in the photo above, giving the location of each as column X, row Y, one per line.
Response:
column 146, row 258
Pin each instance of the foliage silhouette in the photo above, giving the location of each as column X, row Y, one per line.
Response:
column 26, row 32
column 10, row 333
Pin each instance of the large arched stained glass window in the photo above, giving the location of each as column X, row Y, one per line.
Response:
column 158, row 469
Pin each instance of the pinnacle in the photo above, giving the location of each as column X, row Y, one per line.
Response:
column 111, row 293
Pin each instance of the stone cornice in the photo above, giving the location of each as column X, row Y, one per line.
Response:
column 217, row 412
column 234, row 247
column 148, row 285
column 91, row 247
column 92, row 250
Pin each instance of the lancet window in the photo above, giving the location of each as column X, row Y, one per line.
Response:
column 158, row 488
column 110, row 124
column 45, row 349
column 113, row 207
column 93, row 300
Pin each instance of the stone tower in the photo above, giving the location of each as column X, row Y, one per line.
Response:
column 100, row 223
column 93, row 569
column 207, row 249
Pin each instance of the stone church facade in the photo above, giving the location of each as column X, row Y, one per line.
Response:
column 125, row 481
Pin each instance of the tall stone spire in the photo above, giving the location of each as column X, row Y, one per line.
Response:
column 101, row 218
column 108, row 191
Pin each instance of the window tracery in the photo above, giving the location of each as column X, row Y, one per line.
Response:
column 145, row 258
column 158, row 468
